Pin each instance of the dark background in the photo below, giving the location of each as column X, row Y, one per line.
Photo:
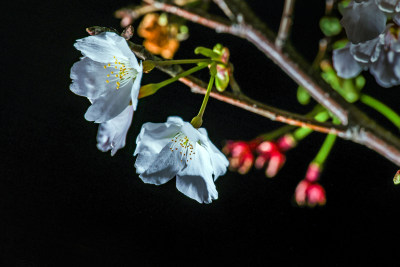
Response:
column 64, row 203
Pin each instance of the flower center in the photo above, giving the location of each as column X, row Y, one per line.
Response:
column 181, row 144
column 121, row 72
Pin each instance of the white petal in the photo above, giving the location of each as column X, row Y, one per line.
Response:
column 112, row 134
column 136, row 87
column 218, row 160
column 109, row 105
column 363, row 21
column 388, row 6
column 163, row 167
column 193, row 134
column 368, row 51
column 144, row 160
column 175, row 120
column 88, row 78
column 344, row 63
column 153, row 137
column 386, row 69
column 195, row 181
column 103, row 47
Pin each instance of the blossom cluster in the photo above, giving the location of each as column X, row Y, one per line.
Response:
column 109, row 76
column 269, row 154
column 374, row 44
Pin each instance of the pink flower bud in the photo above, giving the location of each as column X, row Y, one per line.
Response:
column 241, row 155
column 275, row 163
column 310, row 194
column 286, row 142
column 313, row 172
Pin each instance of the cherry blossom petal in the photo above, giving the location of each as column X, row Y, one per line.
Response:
column 363, row 21
column 153, row 137
column 388, row 6
column 112, row 134
column 386, row 69
column 218, row 160
column 109, row 105
column 164, row 167
column 195, row 181
column 344, row 63
column 86, row 76
column 136, row 87
column 368, row 51
column 103, row 47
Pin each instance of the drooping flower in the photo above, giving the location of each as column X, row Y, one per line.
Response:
column 109, row 76
column 176, row 148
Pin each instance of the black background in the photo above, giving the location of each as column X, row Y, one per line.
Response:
column 64, row 203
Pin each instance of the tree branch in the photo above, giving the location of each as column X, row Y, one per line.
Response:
column 285, row 25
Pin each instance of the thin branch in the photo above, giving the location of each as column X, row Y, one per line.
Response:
column 361, row 129
column 286, row 24
column 224, row 7
column 129, row 14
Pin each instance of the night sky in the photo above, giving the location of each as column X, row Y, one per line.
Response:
column 65, row 203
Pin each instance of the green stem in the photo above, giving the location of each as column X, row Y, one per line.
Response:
column 287, row 128
column 389, row 113
column 277, row 133
column 207, row 95
column 303, row 132
column 180, row 61
column 325, row 149
column 180, row 75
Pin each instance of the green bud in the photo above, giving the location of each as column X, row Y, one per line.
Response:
column 340, row 44
column 148, row 89
column 330, row 26
column 148, row 66
column 350, row 93
column 302, row 96
column 163, row 19
column 342, row 5
column 360, row 82
column 197, row 122
column 396, row 178
column 222, row 78
column 218, row 49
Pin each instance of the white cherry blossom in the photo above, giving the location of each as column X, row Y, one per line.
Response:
column 176, row 148
column 109, row 75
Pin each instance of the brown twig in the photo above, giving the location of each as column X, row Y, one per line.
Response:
column 130, row 14
column 224, row 7
column 361, row 129
column 285, row 25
